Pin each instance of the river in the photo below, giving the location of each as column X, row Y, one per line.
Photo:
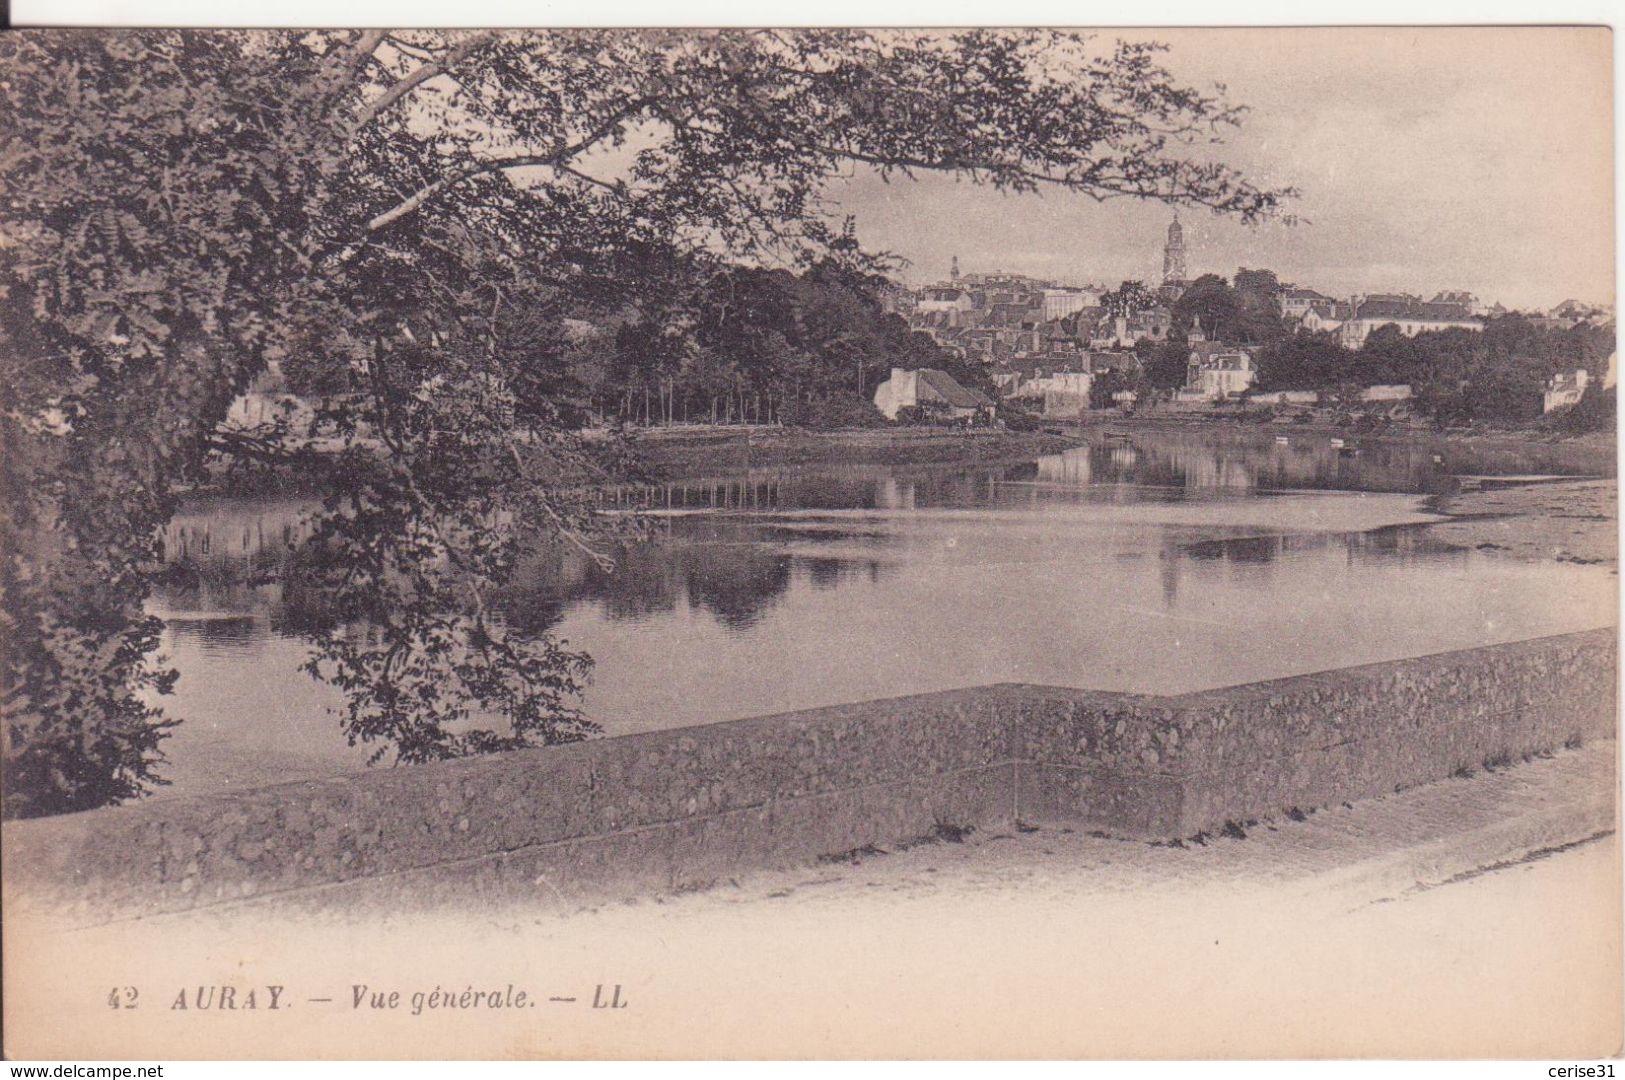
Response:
column 1155, row 562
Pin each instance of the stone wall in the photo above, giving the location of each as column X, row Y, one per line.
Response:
column 1176, row 766
column 675, row 809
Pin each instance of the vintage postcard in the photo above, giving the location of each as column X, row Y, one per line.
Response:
column 809, row 543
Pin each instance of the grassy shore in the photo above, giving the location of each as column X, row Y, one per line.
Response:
column 678, row 452
column 685, row 452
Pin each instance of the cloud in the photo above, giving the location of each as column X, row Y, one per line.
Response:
column 1428, row 159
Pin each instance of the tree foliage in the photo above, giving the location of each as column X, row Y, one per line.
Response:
column 1164, row 363
column 421, row 216
column 753, row 345
column 1128, row 299
column 1209, row 304
column 1457, row 375
column 1241, row 314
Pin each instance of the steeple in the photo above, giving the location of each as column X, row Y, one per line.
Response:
column 1173, row 256
column 953, row 274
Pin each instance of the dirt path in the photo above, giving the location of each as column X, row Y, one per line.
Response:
column 1477, row 916
column 1370, row 851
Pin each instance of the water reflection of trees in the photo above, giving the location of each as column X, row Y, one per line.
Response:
column 858, row 487
column 225, row 532
column 720, row 569
column 733, row 566
column 216, row 633
column 1199, row 464
column 737, row 590
column 733, row 546
column 824, row 573
column 1405, row 542
column 230, row 556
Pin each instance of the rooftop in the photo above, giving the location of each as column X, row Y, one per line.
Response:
column 1414, row 311
column 953, row 391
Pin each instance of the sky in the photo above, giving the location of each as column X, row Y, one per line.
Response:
column 1427, row 159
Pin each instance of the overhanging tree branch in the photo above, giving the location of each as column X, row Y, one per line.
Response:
column 193, row 201
column 553, row 158
column 363, row 48
column 422, row 74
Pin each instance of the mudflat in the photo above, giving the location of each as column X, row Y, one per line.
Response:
column 1564, row 521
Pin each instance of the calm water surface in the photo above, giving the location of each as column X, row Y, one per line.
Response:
column 1156, row 563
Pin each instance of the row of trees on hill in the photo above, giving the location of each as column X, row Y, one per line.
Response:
column 756, row 346
column 723, row 345
column 1456, row 374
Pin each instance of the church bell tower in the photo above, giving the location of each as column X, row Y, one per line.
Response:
column 1173, row 256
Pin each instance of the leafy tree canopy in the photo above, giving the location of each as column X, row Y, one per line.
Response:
column 426, row 212
column 1127, row 299
column 1165, row 364
column 1209, row 303
column 1457, row 375
column 1241, row 314
column 1256, row 286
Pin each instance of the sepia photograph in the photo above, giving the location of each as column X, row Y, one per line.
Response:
column 809, row 543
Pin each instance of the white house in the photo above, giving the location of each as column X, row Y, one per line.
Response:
column 1064, row 393
column 1565, row 390
column 1296, row 303
column 266, row 402
column 1411, row 319
column 1061, row 302
column 933, row 390
column 1325, row 317
column 950, row 300
column 1218, row 371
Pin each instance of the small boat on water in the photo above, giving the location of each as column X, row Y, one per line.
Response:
column 1120, row 435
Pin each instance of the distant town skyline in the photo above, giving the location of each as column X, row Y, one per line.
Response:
column 1427, row 160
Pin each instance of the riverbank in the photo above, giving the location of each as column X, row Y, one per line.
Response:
column 1573, row 521
column 694, row 451
column 674, row 453
column 1501, row 448
column 690, row 452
